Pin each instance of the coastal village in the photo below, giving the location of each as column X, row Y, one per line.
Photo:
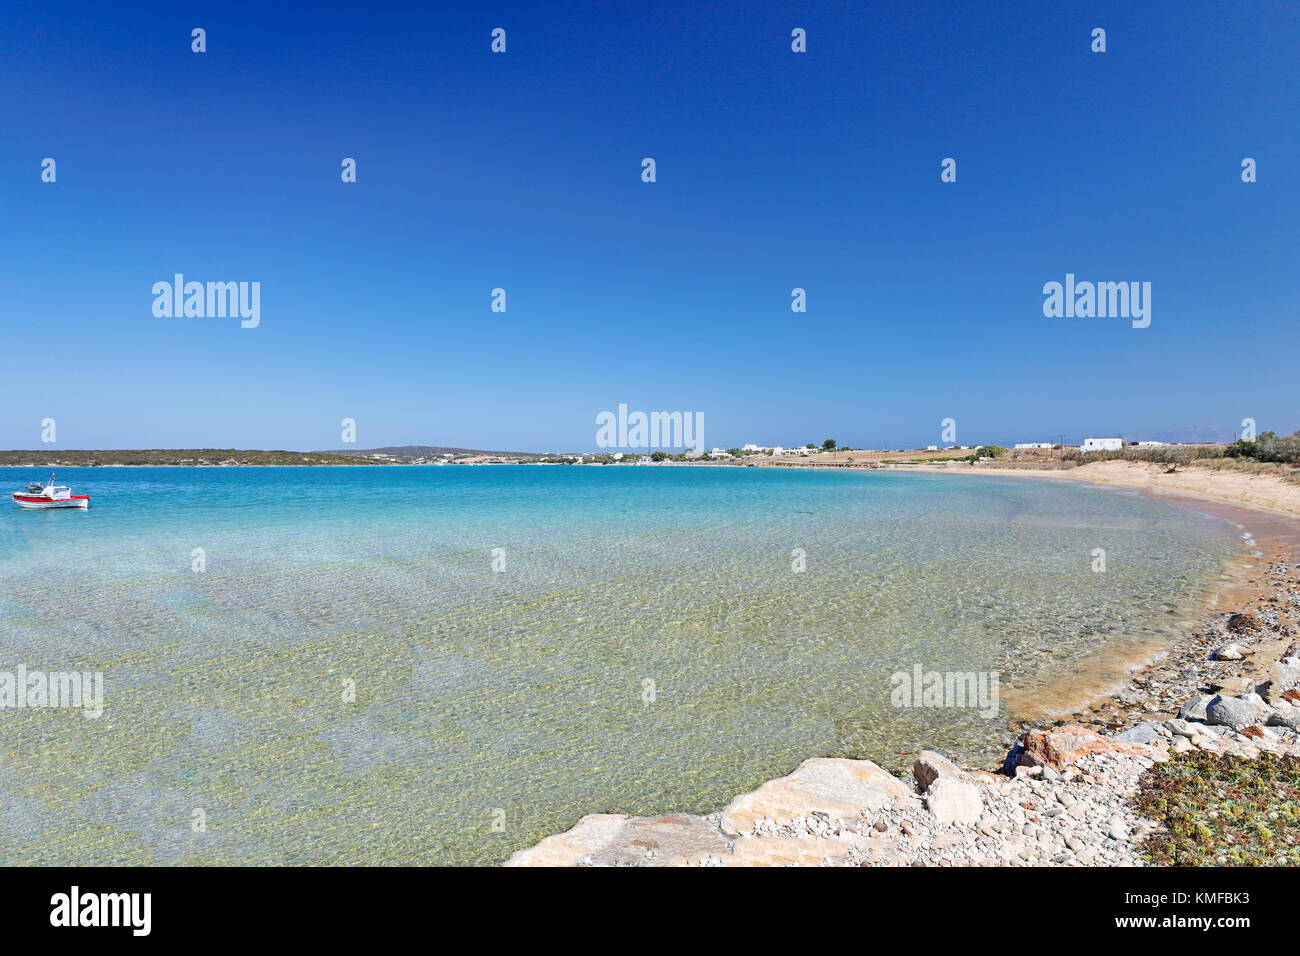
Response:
column 829, row 452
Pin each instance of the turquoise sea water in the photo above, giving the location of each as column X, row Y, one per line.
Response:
column 648, row 646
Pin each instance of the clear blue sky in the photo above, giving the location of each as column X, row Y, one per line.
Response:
column 523, row 170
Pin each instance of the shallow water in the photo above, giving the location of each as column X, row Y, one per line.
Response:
column 522, row 698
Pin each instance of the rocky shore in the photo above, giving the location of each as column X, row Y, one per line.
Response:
column 1064, row 795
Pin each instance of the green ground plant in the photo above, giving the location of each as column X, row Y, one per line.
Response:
column 1216, row 810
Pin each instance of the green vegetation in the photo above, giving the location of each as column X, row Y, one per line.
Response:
column 1268, row 446
column 1160, row 455
column 828, row 444
column 987, row 451
column 1216, row 810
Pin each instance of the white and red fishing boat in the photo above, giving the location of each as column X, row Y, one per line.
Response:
column 49, row 495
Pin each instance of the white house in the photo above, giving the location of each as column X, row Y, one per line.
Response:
column 778, row 450
column 750, row 447
column 1151, row 444
column 719, row 453
column 1102, row 444
column 931, row 447
column 1034, row 444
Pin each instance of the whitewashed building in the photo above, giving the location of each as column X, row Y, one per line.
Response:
column 1102, row 444
column 1034, row 444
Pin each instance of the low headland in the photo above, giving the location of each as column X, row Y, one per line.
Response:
column 246, row 458
column 169, row 457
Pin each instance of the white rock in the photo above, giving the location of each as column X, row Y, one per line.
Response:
column 592, row 832
column 954, row 801
column 931, row 766
column 838, row 787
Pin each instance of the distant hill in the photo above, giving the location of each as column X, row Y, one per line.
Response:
column 70, row 457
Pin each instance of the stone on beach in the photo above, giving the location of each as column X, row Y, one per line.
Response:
column 1288, row 673
column 954, row 801
column 1183, row 728
column 1143, row 733
column 1237, row 623
column 1237, row 712
column 1062, row 747
column 838, row 787
column 1291, row 720
column 1194, row 709
column 932, row 766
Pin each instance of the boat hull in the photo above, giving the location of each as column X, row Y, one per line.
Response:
column 40, row 501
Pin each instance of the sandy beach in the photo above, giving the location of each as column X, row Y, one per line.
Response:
column 1264, row 492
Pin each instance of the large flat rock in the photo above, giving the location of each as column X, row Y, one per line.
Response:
column 784, row 851
column 585, row 837
column 662, row 841
column 838, row 787
column 612, row 839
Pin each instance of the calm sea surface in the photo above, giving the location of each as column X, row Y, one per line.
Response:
column 647, row 647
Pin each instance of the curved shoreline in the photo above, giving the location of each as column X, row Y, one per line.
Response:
column 1267, row 494
column 836, row 811
column 1265, row 508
